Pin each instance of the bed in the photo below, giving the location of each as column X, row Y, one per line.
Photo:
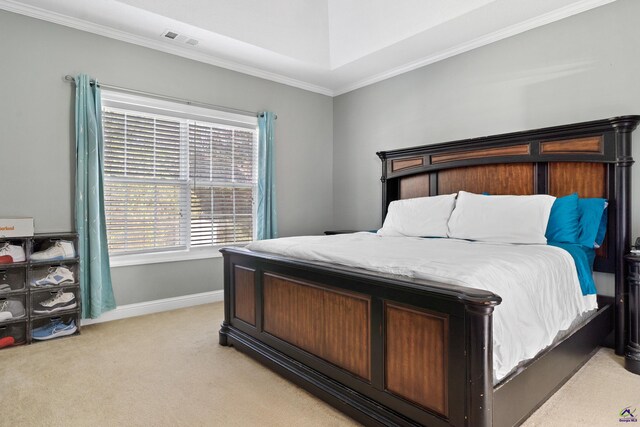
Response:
column 388, row 349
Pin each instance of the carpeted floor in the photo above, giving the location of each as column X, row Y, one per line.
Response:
column 167, row 369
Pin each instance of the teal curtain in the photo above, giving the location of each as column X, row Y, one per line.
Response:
column 267, row 221
column 95, row 273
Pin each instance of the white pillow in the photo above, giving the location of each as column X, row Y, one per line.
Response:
column 506, row 219
column 419, row 217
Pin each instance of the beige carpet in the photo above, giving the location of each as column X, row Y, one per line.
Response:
column 594, row 396
column 167, row 369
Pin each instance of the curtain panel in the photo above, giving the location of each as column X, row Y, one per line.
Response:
column 267, row 220
column 95, row 273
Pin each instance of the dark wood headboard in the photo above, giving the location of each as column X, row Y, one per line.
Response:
column 591, row 158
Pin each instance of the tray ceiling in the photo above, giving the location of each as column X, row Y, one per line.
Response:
column 326, row 46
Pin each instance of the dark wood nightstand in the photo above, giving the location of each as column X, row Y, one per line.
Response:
column 632, row 351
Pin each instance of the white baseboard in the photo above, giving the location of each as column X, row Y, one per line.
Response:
column 156, row 306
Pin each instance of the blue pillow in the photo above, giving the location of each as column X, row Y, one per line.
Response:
column 593, row 222
column 602, row 228
column 564, row 220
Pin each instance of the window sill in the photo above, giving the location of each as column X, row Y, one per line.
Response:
column 164, row 257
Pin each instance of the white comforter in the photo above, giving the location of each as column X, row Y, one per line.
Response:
column 538, row 284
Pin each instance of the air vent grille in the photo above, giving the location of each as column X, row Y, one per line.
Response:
column 179, row 38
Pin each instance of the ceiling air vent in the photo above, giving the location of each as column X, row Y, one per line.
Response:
column 170, row 35
column 180, row 38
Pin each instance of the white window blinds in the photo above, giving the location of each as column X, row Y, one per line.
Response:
column 223, row 180
column 172, row 183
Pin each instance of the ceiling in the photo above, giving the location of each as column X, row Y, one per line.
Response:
column 326, row 46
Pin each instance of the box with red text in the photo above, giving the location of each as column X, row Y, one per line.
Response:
column 16, row 227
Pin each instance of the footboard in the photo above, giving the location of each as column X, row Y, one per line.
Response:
column 383, row 350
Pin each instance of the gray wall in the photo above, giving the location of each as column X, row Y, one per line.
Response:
column 37, row 136
column 582, row 68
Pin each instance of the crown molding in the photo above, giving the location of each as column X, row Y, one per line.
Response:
column 101, row 30
column 504, row 33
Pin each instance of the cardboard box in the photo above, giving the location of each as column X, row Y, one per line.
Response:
column 16, row 227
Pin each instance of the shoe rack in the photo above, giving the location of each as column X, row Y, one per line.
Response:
column 19, row 276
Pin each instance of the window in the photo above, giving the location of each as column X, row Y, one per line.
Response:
column 176, row 177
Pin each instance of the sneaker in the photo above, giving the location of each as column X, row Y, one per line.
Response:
column 62, row 249
column 11, row 309
column 56, row 276
column 5, row 314
column 55, row 328
column 7, row 342
column 5, row 286
column 11, row 253
column 60, row 301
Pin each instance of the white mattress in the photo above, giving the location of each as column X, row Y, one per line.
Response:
column 538, row 284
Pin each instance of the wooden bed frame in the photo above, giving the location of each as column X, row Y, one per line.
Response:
column 390, row 350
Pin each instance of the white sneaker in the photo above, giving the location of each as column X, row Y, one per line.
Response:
column 56, row 276
column 63, row 249
column 11, row 309
column 61, row 301
column 4, row 311
column 11, row 253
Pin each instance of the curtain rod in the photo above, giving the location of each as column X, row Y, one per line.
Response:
column 71, row 79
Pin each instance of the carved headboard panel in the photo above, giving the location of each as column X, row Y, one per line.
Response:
column 591, row 158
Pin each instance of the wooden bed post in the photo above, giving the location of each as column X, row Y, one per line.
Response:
column 224, row 327
column 624, row 126
column 383, row 180
column 479, row 338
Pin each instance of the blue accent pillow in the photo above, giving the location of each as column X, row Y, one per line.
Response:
column 593, row 222
column 564, row 220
